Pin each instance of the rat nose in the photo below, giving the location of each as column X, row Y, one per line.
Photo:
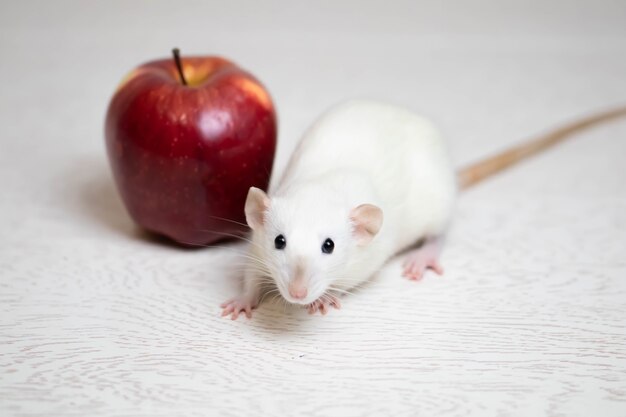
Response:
column 297, row 292
column 298, row 283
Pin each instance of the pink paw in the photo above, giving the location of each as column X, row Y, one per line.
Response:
column 416, row 265
column 238, row 305
column 323, row 304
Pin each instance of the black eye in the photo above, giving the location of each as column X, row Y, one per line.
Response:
column 328, row 246
column 280, row 242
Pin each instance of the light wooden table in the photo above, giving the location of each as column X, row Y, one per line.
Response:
column 529, row 319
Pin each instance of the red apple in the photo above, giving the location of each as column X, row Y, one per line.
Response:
column 184, row 156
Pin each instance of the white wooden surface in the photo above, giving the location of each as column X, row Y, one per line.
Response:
column 529, row 319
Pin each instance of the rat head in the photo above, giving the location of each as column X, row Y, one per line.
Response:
column 306, row 243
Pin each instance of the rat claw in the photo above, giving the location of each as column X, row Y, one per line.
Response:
column 227, row 310
column 236, row 306
column 415, row 275
column 414, row 269
column 323, row 304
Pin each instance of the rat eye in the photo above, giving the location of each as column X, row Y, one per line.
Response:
column 280, row 242
column 328, row 246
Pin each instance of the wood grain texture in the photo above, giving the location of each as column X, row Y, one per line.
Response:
column 529, row 318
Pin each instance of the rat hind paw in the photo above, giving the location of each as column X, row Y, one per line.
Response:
column 418, row 261
column 424, row 257
column 238, row 305
column 323, row 304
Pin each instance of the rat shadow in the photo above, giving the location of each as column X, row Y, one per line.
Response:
column 283, row 319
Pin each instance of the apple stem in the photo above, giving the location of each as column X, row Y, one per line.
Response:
column 176, row 53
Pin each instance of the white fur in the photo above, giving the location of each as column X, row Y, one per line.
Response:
column 358, row 152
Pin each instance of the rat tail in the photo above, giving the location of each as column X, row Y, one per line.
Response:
column 468, row 176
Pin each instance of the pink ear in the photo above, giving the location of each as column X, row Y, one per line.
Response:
column 257, row 204
column 367, row 220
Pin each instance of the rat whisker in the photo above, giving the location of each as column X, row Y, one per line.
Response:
column 229, row 220
column 267, row 294
column 232, row 235
column 341, row 290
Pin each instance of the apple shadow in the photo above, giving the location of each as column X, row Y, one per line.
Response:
column 99, row 200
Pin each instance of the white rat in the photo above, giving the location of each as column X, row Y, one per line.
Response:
column 368, row 180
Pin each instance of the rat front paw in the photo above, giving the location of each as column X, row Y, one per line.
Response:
column 323, row 304
column 238, row 305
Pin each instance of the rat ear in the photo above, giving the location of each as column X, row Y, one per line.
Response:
column 367, row 220
column 257, row 204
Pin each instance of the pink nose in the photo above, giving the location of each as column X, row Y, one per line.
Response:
column 297, row 292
